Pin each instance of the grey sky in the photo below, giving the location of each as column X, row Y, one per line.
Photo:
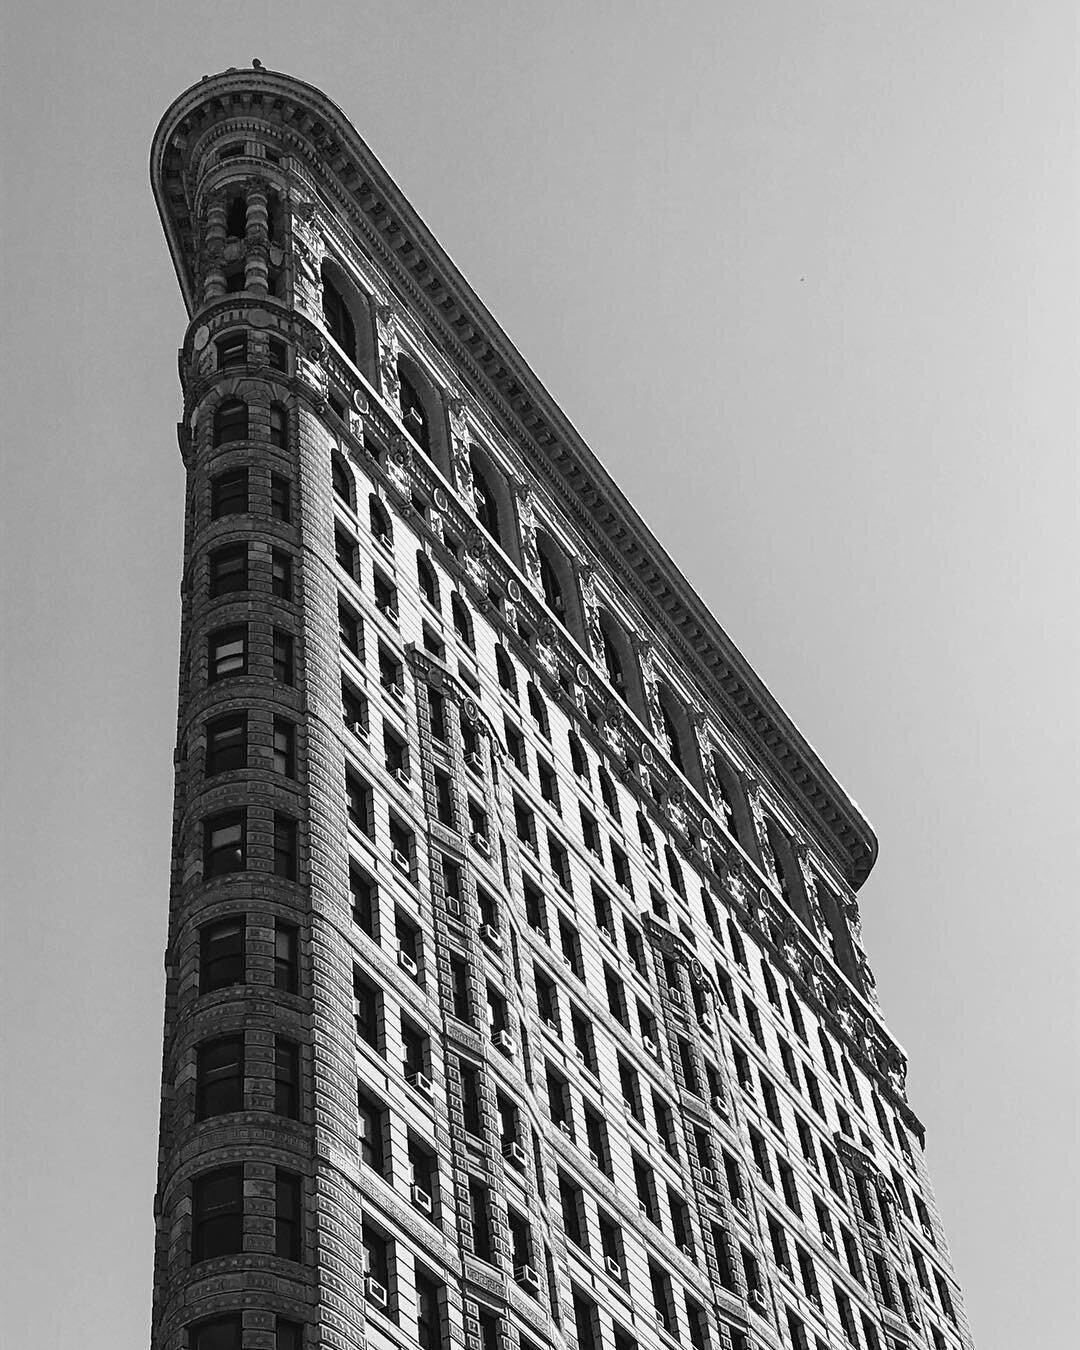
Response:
column 804, row 274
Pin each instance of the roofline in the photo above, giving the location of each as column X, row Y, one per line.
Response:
column 558, row 452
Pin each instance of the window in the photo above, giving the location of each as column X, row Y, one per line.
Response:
column 341, row 480
column 285, row 864
column 636, row 949
column 590, row 832
column 345, row 554
column 645, row 1189
column 367, row 1002
column 280, row 497
column 487, row 507
column 504, row 668
column 226, row 744
column 583, row 1039
column 607, row 792
column 663, row 1301
column 462, row 622
column 350, row 630
column 761, row 1156
column 372, row 1122
column 217, row 1214
column 288, row 1215
column 358, row 800
column 219, row 1077
column 279, row 430
column 283, row 656
column 222, row 954
column 284, row 747
column 787, row 1185
column 288, row 1335
column 572, row 1200
column 538, row 709
column 220, row 1333
column 281, row 575
column 278, row 359
column 429, row 1325
column 224, row 843
column 391, row 674
column 286, row 1078
column 231, row 422
column 570, row 945
column 425, row 576
column 560, row 862
column 229, row 494
column 480, row 1214
column 226, row 653
column 620, row 866
column 228, row 570
column 379, row 521
column 596, row 1138
column 286, row 958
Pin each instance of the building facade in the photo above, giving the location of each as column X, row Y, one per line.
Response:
column 515, row 991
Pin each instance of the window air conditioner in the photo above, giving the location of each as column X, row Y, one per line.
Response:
column 502, row 1040
column 708, row 1178
column 400, row 860
column 474, row 760
column 648, row 1045
column 421, row 1082
column 375, row 1292
column 402, row 775
column 480, row 843
column 514, row 1153
column 490, row 934
column 757, row 1300
column 527, row 1278
column 613, row 1267
column 406, row 962
column 420, row 1198
column 674, row 994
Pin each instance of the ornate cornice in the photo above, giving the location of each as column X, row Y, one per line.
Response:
column 309, row 125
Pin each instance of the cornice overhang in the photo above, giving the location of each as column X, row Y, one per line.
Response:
column 480, row 349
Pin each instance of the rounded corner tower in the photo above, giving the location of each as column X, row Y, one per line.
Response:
column 515, row 998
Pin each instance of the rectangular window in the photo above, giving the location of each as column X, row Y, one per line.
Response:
column 286, row 958
column 288, row 1216
column 560, row 861
column 480, row 1214
column 281, row 574
column 217, row 1214
column 228, row 569
column 280, row 497
column 350, row 630
column 359, row 805
column 283, row 657
column 219, row 1077
column 219, row 1333
column 285, row 860
column 229, row 494
column 437, row 715
column 226, row 653
column 284, row 747
column 346, row 554
column 277, row 354
column 224, row 843
column 549, row 785
column 226, row 744
column 221, row 954
column 459, row 981
column 286, row 1078
column 372, row 1121
column 232, row 351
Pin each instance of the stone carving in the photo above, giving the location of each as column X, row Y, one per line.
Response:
column 386, row 342
column 459, row 446
column 530, row 554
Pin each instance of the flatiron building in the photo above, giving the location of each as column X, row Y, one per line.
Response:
column 516, row 998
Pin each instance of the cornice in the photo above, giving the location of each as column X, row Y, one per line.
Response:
column 484, row 355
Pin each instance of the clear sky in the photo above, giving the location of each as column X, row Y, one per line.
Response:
column 804, row 274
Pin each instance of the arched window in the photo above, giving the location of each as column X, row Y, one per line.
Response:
column 413, row 412
column 678, row 735
column 827, row 1054
column 379, row 519
column 735, row 941
column 231, row 422
column 671, row 736
column 427, row 581
column 487, row 507
column 505, row 668
column 843, row 952
column 787, row 871
column 711, row 916
column 279, row 425
column 347, row 315
column 342, row 480
column 732, row 801
column 646, row 837
column 674, row 871
column 552, row 584
column 559, row 584
column 236, row 217
column 578, row 759
column 339, row 322
column 462, row 622
column 538, row 709
column 771, row 988
column 607, row 791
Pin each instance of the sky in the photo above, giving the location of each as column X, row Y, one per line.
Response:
column 804, row 275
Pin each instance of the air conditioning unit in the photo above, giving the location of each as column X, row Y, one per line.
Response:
column 594, row 1158
column 396, row 690
column 420, row 1198
column 480, row 843
column 474, row 760
column 490, row 934
column 421, row 1082
column 514, row 1153
column 686, row 1250
column 502, row 1040
column 705, row 1021
column 400, row 860
column 748, row 1087
column 719, row 1104
column 566, row 1128
column 551, row 1024
column 739, row 1201
column 708, row 1178
column 674, row 994
column 453, row 906
column 406, row 963
column 757, row 1300
column 613, row 1268
column 391, row 613
column 527, row 1278
column 359, row 730
column 375, row 1292
column 927, row 1231
column 643, row 1210
column 579, row 1054
column 648, row 1045
column 829, row 1241
column 402, row 775
column 605, row 932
